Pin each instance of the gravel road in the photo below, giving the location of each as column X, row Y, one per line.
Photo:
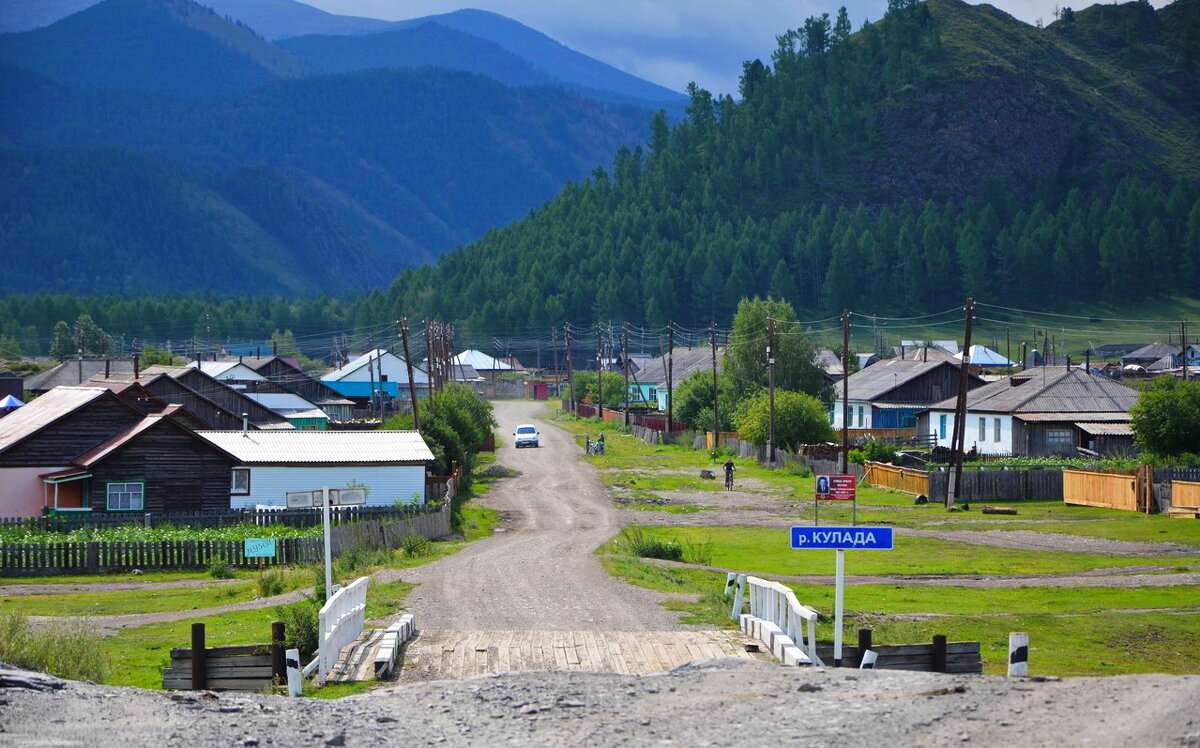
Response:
column 708, row 703
column 541, row 574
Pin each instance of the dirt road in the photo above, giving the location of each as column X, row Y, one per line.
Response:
column 541, row 574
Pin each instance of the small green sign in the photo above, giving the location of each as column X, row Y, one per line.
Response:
column 260, row 547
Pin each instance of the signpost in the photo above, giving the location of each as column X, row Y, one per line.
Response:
column 839, row 539
column 835, row 487
column 260, row 547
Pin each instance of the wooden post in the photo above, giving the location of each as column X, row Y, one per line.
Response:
column 402, row 323
column 716, row 411
column 199, row 658
column 771, row 388
column 625, row 366
column 278, row 659
column 864, row 641
column 845, row 391
column 670, row 374
column 960, row 409
column 570, row 369
column 939, row 653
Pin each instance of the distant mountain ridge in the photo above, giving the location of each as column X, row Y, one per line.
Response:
column 232, row 149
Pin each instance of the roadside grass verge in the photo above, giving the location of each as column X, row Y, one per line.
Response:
column 1074, row 631
column 68, row 649
column 768, row 551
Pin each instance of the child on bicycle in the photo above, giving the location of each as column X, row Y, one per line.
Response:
column 729, row 468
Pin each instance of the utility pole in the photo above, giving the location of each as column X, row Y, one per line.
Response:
column 570, row 368
column 845, row 390
column 716, row 409
column 412, row 386
column 1183, row 347
column 371, row 374
column 771, row 387
column 554, row 355
column 960, row 410
column 625, row 366
column 599, row 372
column 670, row 376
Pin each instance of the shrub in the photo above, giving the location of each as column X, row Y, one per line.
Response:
column 270, row 583
column 220, row 568
column 877, row 451
column 856, row 456
column 799, row 468
column 68, row 649
column 415, row 546
column 301, row 625
column 642, row 545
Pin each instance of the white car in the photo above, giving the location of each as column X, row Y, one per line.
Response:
column 527, row 436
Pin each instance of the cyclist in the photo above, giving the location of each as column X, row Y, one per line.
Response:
column 600, row 445
column 729, row 468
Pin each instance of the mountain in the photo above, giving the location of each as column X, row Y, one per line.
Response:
column 23, row 15
column 174, row 47
column 944, row 151
column 424, row 45
column 342, row 180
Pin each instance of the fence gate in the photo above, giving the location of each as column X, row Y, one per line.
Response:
column 1106, row 490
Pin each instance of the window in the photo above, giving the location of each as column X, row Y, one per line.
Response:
column 997, row 430
column 982, row 429
column 241, row 482
column 126, row 497
column 1059, row 437
column 860, row 416
column 942, row 427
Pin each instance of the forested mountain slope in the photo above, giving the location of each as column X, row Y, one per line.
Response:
column 174, row 47
column 945, row 150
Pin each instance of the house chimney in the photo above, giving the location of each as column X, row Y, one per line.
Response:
column 245, row 423
column 107, row 364
column 137, row 366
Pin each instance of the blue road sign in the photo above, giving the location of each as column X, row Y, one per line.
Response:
column 260, row 547
column 857, row 538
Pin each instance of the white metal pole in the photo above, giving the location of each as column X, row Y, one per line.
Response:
column 838, row 594
column 328, row 555
column 1018, row 654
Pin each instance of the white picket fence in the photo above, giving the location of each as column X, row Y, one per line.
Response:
column 341, row 621
column 776, row 618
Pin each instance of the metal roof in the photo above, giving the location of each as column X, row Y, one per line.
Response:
column 481, row 361
column 1106, row 429
column 228, row 370
column 284, row 403
column 684, row 363
column 45, row 410
column 1049, row 389
column 68, row 373
column 981, row 355
column 379, row 358
column 1114, row 417
column 880, row 378
column 322, row 447
column 114, row 443
column 1152, row 352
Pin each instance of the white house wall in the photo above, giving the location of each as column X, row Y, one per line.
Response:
column 856, row 407
column 269, row 486
column 989, row 445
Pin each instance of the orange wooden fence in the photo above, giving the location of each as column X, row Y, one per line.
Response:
column 1185, row 493
column 907, row 480
column 1107, row 490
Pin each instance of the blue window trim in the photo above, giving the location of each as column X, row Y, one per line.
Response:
column 108, row 504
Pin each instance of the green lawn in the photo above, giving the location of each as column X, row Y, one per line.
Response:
column 768, row 551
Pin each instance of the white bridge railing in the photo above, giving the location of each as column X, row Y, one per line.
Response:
column 776, row 618
column 341, row 621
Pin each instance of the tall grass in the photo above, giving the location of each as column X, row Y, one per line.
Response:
column 68, row 649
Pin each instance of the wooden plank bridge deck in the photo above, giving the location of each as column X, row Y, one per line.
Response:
column 453, row 655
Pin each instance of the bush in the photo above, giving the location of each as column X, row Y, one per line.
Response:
column 270, row 584
column 646, row 546
column 799, row 468
column 415, row 546
column 68, row 649
column 301, row 625
column 857, row 456
column 220, row 569
column 877, row 451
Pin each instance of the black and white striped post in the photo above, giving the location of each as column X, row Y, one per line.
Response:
column 1018, row 654
column 736, row 584
column 292, row 659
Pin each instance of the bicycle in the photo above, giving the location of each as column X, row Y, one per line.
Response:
column 728, row 480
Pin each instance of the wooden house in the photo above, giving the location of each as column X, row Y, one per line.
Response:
column 376, row 374
column 390, row 465
column 77, row 371
column 1043, row 411
column 89, row 449
column 890, row 394
column 291, row 378
column 226, row 399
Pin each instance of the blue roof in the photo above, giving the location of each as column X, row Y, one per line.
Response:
column 363, row 389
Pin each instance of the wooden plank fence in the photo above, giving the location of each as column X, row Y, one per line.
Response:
column 999, row 485
column 260, row 517
column 903, row 479
column 239, row 667
column 94, row 557
column 1185, row 499
column 1106, row 490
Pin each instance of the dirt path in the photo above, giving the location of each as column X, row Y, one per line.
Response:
column 540, row 575
column 79, row 588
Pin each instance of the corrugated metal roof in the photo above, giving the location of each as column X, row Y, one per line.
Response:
column 881, row 378
column 1113, row 417
column 222, row 370
column 1106, row 429
column 378, row 358
column 322, row 447
column 981, row 355
column 481, row 361
column 685, row 362
column 282, row 402
column 43, row 411
column 1151, row 352
column 1049, row 389
column 68, row 373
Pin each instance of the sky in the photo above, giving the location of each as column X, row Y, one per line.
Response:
column 669, row 42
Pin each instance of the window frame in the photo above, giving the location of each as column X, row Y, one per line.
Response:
column 982, row 429
column 1052, row 441
column 108, row 497
column 941, row 426
column 997, row 430
column 233, row 487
